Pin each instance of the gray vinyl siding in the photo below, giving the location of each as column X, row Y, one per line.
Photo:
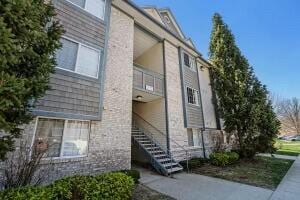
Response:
column 80, row 25
column 193, row 113
column 190, row 78
column 73, row 95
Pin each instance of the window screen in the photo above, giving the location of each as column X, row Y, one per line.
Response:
column 78, row 58
column 75, row 138
column 88, row 61
column 50, row 132
column 186, row 59
column 63, row 137
column 96, row 7
column 79, row 3
column 66, row 56
column 190, row 137
column 193, row 64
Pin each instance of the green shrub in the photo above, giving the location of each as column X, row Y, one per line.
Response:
column 116, row 185
column 233, row 157
column 193, row 163
column 133, row 174
column 223, row 159
column 219, row 159
column 32, row 193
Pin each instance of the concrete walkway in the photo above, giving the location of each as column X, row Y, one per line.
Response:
column 185, row 186
column 278, row 156
column 289, row 187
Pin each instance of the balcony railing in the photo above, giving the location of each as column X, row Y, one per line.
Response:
column 148, row 81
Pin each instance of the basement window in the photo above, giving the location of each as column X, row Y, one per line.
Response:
column 192, row 96
column 62, row 138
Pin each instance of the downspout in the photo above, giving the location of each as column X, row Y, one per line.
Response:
column 202, row 113
column 166, row 96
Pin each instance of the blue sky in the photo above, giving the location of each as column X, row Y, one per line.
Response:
column 267, row 32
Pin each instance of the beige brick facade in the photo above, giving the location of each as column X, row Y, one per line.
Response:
column 177, row 131
column 109, row 145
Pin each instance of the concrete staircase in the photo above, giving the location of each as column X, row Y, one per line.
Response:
column 160, row 159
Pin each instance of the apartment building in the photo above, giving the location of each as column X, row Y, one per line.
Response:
column 129, row 85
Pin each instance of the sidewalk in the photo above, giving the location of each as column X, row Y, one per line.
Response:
column 289, row 188
column 185, row 186
column 278, row 156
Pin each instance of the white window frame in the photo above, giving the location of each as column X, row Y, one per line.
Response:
column 197, row 97
column 76, row 60
column 83, row 8
column 62, row 140
column 191, row 67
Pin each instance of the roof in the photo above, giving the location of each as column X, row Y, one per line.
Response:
column 169, row 25
column 186, row 41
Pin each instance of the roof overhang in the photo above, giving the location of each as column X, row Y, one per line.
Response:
column 144, row 20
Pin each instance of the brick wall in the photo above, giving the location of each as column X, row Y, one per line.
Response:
column 110, row 139
column 174, row 95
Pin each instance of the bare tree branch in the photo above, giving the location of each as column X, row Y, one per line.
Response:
column 289, row 114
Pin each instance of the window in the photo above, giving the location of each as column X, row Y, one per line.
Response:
column 193, row 137
column 192, row 96
column 95, row 7
column 190, row 137
column 63, row 138
column 79, row 58
column 189, row 61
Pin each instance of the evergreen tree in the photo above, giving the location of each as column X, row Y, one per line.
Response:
column 29, row 38
column 241, row 98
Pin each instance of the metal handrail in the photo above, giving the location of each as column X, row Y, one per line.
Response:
column 186, row 151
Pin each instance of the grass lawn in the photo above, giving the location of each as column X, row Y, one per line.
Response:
column 291, row 148
column 262, row 171
column 142, row 192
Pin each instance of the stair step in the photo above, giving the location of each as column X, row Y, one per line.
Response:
column 157, row 152
column 148, row 145
column 164, row 160
column 139, row 136
column 152, row 148
column 144, row 142
column 167, row 165
column 175, row 169
column 160, row 155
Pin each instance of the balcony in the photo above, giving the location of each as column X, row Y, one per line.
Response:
column 146, row 81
